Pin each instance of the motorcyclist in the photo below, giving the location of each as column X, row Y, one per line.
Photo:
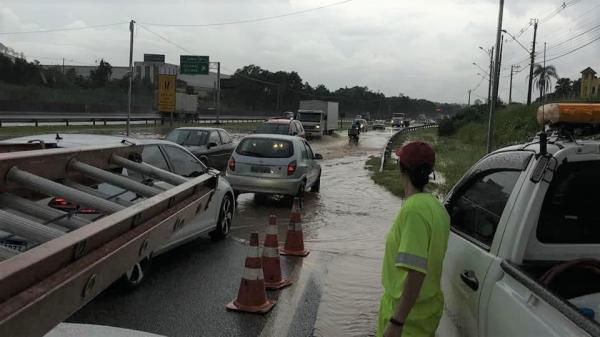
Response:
column 354, row 131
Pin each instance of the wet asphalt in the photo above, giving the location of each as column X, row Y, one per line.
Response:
column 335, row 290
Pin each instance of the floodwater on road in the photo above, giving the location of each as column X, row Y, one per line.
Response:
column 344, row 227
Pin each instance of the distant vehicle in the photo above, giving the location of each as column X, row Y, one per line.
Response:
column 362, row 123
column 274, row 164
column 519, row 267
column 161, row 154
column 318, row 117
column 364, row 115
column 399, row 120
column 378, row 125
column 212, row 146
column 281, row 126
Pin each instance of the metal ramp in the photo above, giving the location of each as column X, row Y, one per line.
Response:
column 54, row 261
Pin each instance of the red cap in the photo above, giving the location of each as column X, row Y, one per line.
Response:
column 414, row 154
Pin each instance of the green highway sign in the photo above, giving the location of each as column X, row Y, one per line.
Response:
column 193, row 64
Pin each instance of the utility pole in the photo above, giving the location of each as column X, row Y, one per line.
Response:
column 490, row 75
column 131, row 24
column 469, row 101
column 510, row 87
column 495, row 90
column 63, row 68
column 218, row 92
column 535, row 26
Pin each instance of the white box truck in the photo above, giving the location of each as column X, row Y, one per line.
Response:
column 318, row 117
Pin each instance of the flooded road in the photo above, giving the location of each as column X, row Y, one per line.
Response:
column 344, row 228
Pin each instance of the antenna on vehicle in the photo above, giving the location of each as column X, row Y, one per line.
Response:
column 543, row 135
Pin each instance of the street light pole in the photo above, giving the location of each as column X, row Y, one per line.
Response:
column 495, row 91
column 131, row 26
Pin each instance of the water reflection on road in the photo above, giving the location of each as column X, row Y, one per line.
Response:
column 344, row 226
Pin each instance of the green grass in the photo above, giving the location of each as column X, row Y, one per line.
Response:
column 139, row 129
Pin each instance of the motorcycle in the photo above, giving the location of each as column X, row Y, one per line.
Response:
column 353, row 135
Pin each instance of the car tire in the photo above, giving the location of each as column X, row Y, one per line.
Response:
column 316, row 187
column 223, row 227
column 136, row 274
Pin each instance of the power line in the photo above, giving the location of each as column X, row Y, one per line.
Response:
column 63, row 29
column 574, row 50
column 265, row 18
column 165, row 39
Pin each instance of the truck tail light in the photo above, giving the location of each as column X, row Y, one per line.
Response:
column 291, row 168
column 231, row 164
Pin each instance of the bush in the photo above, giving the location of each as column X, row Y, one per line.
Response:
column 446, row 127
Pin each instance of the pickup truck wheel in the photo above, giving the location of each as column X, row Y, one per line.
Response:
column 225, row 219
column 316, row 187
column 136, row 274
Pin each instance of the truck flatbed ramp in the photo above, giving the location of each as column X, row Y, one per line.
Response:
column 69, row 259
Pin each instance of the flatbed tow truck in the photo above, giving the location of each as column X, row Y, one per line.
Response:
column 69, row 259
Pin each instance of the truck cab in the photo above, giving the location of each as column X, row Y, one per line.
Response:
column 523, row 255
column 313, row 122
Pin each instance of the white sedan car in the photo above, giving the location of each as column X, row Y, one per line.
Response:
column 166, row 155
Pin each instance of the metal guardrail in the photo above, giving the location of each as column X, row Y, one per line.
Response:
column 387, row 149
column 94, row 119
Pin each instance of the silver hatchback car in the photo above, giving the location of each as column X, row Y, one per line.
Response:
column 274, row 164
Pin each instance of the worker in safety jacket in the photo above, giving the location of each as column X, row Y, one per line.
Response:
column 412, row 302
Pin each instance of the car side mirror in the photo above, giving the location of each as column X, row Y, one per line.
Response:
column 318, row 156
column 211, row 144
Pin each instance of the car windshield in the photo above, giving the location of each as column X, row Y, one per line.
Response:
column 189, row 137
column 265, row 148
column 309, row 117
column 274, row 128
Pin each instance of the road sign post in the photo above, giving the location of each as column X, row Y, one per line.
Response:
column 166, row 94
column 194, row 65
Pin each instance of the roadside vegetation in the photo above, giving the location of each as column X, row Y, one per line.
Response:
column 459, row 142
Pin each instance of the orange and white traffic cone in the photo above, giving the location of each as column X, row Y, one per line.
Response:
column 294, row 241
column 252, row 296
column 270, row 258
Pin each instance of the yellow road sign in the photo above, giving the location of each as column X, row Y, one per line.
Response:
column 166, row 92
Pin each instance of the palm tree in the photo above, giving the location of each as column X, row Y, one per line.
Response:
column 543, row 77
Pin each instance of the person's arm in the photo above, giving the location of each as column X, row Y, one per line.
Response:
column 412, row 287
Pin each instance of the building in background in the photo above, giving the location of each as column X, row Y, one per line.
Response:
column 590, row 84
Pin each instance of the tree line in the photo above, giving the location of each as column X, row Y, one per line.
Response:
column 258, row 89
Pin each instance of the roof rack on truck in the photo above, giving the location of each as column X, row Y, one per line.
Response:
column 67, row 258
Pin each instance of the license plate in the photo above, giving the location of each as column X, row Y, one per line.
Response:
column 260, row 169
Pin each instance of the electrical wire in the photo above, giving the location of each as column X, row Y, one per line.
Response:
column 243, row 21
column 574, row 50
column 165, row 39
column 64, row 29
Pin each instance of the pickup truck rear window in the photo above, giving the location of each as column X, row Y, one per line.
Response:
column 265, row 148
column 570, row 211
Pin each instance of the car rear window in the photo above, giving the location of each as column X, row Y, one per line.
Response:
column 265, row 148
column 276, row 128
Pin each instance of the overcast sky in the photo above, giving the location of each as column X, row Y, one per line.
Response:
column 423, row 49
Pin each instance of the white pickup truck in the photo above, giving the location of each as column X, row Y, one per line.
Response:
column 523, row 256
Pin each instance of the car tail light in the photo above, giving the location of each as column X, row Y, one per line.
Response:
column 231, row 164
column 63, row 204
column 291, row 168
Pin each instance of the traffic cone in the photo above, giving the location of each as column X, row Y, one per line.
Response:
column 294, row 241
column 270, row 258
column 252, row 296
